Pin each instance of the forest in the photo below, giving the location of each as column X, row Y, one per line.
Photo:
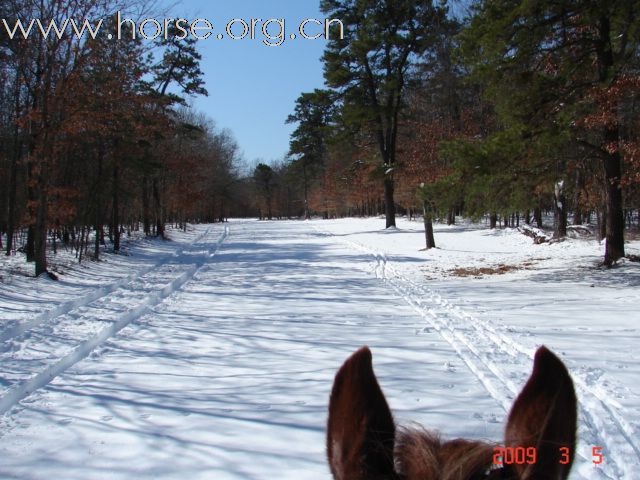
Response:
column 501, row 110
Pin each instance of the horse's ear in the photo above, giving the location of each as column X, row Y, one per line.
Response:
column 360, row 430
column 544, row 416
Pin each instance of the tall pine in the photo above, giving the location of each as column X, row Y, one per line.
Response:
column 545, row 64
column 371, row 64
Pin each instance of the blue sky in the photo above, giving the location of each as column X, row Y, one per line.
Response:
column 252, row 87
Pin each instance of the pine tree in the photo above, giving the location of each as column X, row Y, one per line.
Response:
column 265, row 183
column 313, row 114
column 369, row 67
column 180, row 65
column 544, row 64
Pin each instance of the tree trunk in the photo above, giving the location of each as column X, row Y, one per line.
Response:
column 96, row 243
column 428, row 225
column 157, row 204
column 537, row 215
column 451, row 217
column 115, row 218
column 577, row 207
column 389, row 204
column 13, row 175
column 97, row 195
column 146, row 210
column 493, row 221
column 577, row 217
column 40, row 228
column 42, row 202
column 601, row 216
column 32, row 199
column 307, row 214
column 561, row 223
column 560, row 207
column 11, row 214
column 614, row 249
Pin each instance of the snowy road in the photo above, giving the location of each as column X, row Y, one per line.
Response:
column 216, row 359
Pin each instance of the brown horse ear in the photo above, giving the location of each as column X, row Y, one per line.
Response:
column 360, row 430
column 544, row 416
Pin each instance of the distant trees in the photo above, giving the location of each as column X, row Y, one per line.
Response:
column 519, row 109
column 265, row 182
column 94, row 141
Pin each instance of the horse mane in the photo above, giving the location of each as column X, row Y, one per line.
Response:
column 423, row 454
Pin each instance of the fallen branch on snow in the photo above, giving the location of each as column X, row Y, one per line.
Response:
column 538, row 235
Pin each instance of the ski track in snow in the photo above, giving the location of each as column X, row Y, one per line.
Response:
column 486, row 351
column 129, row 299
column 126, row 283
column 37, row 351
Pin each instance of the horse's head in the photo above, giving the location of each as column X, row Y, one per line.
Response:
column 540, row 437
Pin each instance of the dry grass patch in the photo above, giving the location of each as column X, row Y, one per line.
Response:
column 479, row 272
column 499, row 269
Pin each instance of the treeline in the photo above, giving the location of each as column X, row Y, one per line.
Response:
column 95, row 137
column 509, row 111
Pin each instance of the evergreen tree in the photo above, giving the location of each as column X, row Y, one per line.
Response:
column 370, row 65
column 180, row 65
column 264, row 178
column 544, row 64
column 313, row 113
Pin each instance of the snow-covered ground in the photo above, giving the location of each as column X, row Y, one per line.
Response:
column 212, row 356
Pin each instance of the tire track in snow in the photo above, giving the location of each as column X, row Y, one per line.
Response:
column 476, row 341
column 93, row 296
column 21, row 390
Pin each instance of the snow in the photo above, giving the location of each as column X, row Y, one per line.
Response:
column 213, row 355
